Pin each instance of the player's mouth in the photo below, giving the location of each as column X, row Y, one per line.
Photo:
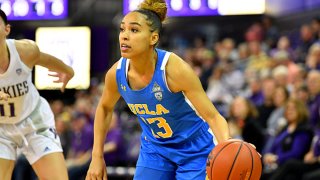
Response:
column 124, row 47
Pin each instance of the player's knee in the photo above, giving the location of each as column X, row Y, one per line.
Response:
column 5, row 175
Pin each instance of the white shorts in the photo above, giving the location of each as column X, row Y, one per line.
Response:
column 34, row 136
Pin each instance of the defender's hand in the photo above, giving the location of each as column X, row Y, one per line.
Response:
column 62, row 78
column 4, row 96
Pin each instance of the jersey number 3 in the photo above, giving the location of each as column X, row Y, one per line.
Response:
column 161, row 123
column 7, row 110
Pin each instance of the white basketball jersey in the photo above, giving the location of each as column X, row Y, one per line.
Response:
column 17, row 82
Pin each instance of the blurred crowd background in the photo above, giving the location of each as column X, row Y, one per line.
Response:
column 262, row 72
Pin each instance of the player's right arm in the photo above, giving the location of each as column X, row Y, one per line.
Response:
column 109, row 98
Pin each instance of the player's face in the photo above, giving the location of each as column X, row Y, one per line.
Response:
column 291, row 112
column 135, row 36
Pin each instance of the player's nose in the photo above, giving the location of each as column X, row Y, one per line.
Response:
column 124, row 35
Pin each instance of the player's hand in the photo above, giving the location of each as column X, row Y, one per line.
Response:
column 4, row 96
column 62, row 78
column 97, row 169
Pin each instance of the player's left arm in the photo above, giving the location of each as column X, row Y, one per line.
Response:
column 181, row 77
column 31, row 56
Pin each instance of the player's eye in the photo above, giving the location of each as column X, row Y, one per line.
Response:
column 134, row 30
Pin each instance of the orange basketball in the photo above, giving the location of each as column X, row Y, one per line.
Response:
column 234, row 159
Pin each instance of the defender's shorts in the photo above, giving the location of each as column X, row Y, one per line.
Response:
column 34, row 136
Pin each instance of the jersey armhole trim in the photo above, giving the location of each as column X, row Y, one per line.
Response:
column 127, row 67
column 119, row 63
column 163, row 69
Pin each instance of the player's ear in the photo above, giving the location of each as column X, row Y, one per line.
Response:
column 154, row 38
column 7, row 29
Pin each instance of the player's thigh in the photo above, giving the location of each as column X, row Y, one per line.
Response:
column 51, row 166
column 144, row 173
column 152, row 165
column 6, row 169
column 193, row 166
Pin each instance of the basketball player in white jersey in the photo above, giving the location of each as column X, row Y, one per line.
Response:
column 26, row 120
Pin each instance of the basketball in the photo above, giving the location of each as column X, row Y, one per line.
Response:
column 234, row 159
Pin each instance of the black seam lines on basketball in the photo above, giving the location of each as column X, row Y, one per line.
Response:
column 217, row 156
column 251, row 159
column 235, row 158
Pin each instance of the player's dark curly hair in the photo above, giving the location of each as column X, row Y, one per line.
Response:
column 4, row 17
column 155, row 12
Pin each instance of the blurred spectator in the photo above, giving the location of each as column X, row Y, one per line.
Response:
column 82, row 105
column 276, row 121
column 313, row 83
column 254, row 91
column 283, row 45
column 313, row 57
column 306, row 40
column 208, row 62
column 131, row 136
column 228, row 48
column 114, row 152
column 188, row 56
column 258, row 59
column 315, row 25
column 299, row 81
column 133, row 148
column 217, row 90
column 82, row 135
column 306, row 169
column 281, row 58
column 81, row 144
column 241, row 62
column 293, row 142
column 198, row 49
column 57, row 106
column 114, row 146
column 95, row 91
column 271, row 32
column 302, row 94
column 63, row 130
column 242, row 119
column 280, row 75
column 254, row 33
column 265, row 109
column 233, row 78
